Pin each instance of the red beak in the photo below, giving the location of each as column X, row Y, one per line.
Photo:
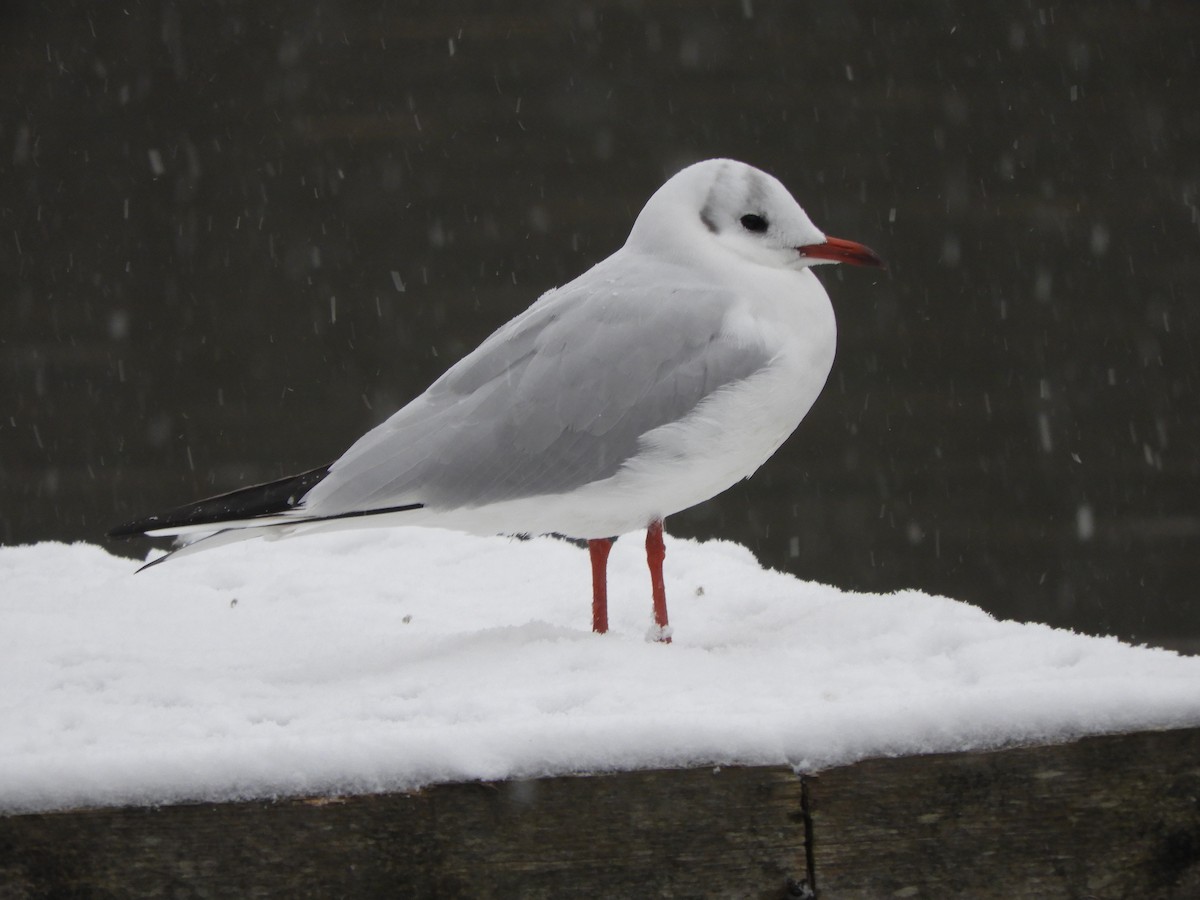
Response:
column 839, row 251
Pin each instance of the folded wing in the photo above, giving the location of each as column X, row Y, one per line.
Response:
column 558, row 398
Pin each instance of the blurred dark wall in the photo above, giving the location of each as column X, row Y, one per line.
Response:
column 235, row 235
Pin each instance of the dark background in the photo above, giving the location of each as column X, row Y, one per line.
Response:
column 235, row 235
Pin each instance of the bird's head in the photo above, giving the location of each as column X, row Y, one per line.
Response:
column 743, row 210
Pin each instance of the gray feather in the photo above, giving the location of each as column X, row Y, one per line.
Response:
column 556, row 399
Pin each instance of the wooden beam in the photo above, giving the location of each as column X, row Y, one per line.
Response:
column 1104, row 817
column 699, row 832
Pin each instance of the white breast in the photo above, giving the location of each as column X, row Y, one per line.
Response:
column 737, row 429
column 725, row 439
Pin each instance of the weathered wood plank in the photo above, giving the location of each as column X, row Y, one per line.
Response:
column 732, row 832
column 1104, row 817
column 1114, row 816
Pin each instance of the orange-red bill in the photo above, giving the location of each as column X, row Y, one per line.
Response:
column 840, row 251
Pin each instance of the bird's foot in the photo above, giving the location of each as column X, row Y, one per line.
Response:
column 659, row 634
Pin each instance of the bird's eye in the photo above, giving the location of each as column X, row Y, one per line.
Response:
column 754, row 223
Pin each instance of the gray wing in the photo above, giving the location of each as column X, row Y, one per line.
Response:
column 557, row 398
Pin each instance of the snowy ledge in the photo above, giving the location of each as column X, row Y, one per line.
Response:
column 377, row 661
column 1109, row 818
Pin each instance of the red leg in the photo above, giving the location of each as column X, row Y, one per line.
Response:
column 598, row 549
column 655, row 553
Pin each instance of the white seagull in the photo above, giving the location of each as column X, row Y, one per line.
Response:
column 652, row 382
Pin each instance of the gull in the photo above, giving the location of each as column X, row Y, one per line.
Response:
column 655, row 380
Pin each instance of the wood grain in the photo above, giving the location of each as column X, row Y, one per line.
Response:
column 1104, row 817
column 673, row 833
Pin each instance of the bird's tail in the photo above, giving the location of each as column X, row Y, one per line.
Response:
column 209, row 541
column 225, row 518
column 255, row 511
column 248, row 507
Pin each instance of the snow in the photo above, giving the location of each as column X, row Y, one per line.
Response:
column 390, row 659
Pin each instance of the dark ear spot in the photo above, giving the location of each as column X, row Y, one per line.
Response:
column 707, row 219
column 755, row 223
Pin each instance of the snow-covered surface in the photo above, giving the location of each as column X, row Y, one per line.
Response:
column 376, row 660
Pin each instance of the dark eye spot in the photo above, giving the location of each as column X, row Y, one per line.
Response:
column 754, row 223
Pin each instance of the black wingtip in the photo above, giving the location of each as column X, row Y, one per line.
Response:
column 245, row 503
column 131, row 529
